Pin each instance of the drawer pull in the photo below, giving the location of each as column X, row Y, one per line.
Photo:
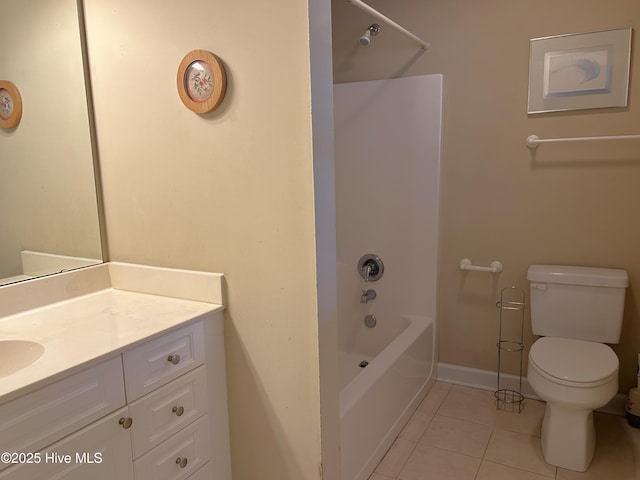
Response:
column 126, row 422
column 178, row 410
column 175, row 358
column 182, row 462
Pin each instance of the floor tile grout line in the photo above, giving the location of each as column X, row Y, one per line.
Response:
column 406, row 460
column 415, row 444
column 422, row 435
column 524, row 470
column 483, row 459
column 451, row 451
column 466, row 420
column 484, row 453
column 494, row 426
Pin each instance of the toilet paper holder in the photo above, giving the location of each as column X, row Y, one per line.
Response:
column 494, row 267
column 511, row 306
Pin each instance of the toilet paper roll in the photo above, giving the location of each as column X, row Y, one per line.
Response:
column 633, row 402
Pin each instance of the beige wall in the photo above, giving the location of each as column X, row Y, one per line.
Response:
column 571, row 204
column 230, row 191
column 47, row 189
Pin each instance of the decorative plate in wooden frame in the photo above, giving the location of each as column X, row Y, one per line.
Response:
column 202, row 81
column 10, row 105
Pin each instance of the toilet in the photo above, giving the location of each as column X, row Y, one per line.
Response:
column 575, row 311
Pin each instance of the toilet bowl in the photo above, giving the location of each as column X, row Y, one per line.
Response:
column 574, row 377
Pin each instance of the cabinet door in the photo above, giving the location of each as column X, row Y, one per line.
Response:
column 37, row 419
column 100, row 451
column 159, row 361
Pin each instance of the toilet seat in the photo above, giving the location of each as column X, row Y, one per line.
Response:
column 572, row 362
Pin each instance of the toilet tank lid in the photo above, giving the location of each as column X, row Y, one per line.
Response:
column 573, row 275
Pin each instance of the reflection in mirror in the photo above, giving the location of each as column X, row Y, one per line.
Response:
column 48, row 204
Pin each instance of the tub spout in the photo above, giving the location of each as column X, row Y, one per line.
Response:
column 368, row 295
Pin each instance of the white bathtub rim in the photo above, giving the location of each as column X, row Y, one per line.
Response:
column 353, row 392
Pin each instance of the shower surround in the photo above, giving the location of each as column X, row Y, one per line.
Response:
column 387, row 155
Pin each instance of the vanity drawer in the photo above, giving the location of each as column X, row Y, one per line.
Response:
column 39, row 418
column 159, row 361
column 178, row 457
column 163, row 412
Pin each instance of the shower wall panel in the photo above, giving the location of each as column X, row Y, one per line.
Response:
column 387, row 154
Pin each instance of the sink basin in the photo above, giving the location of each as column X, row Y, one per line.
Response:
column 17, row 354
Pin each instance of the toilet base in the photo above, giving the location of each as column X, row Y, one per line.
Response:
column 568, row 437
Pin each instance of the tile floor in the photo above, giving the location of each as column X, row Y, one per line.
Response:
column 457, row 434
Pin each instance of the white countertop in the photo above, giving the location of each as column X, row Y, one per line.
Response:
column 81, row 331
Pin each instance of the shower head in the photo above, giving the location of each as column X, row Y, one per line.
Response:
column 374, row 30
column 365, row 39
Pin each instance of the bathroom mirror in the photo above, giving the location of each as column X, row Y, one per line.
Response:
column 48, row 204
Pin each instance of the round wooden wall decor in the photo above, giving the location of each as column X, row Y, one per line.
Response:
column 202, row 81
column 10, row 105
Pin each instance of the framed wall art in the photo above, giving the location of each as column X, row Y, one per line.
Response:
column 579, row 71
column 202, row 81
column 10, row 105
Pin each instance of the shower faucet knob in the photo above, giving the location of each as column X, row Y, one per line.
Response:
column 370, row 267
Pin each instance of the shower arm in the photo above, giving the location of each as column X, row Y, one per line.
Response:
column 363, row 6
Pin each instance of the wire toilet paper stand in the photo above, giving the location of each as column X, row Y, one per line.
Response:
column 511, row 307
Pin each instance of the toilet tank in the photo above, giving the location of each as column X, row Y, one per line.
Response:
column 584, row 303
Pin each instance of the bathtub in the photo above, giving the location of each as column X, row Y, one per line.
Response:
column 377, row 400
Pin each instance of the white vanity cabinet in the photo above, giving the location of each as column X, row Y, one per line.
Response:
column 143, row 415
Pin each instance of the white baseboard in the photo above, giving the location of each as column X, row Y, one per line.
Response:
column 487, row 380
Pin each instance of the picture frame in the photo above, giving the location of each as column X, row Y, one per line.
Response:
column 10, row 105
column 579, row 71
column 201, row 81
